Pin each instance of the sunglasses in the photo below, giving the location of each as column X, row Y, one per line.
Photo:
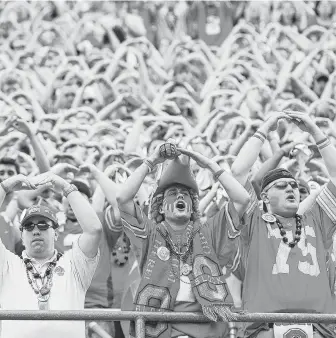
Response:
column 42, row 226
column 282, row 185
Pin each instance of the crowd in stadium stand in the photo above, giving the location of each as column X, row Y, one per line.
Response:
column 241, row 93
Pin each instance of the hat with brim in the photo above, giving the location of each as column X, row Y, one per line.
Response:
column 83, row 186
column 39, row 210
column 177, row 172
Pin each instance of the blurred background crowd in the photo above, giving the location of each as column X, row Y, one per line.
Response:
column 105, row 82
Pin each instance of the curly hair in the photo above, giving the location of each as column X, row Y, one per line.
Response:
column 157, row 202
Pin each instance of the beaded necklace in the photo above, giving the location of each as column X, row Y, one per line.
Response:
column 177, row 251
column 43, row 292
column 297, row 236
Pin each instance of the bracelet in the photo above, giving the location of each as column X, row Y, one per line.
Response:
column 218, row 173
column 149, row 164
column 68, row 191
column 323, row 143
column 259, row 136
column 262, row 134
column 4, row 188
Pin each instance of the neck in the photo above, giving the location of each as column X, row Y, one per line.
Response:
column 43, row 257
column 176, row 225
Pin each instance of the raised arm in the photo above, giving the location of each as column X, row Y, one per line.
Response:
column 129, row 189
column 87, row 218
column 235, row 191
column 326, row 149
column 41, row 158
column 251, row 150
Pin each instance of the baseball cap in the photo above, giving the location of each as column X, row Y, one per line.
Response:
column 39, row 210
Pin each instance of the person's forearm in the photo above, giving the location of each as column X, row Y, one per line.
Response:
column 98, row 200
column 129, row 189
column 41, row 158
column 206, row 200
column 133, row 137
column 2, row 195
column 86, row 216
column 246, row 159
column 237, row 146
column 233, row 188
column 270, row 164
column 328, row 152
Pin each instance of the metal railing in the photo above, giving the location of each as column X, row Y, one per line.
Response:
column 140, row 318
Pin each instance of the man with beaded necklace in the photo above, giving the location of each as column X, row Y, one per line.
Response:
column 45, row 279
column 180, row 258
column 284, row 250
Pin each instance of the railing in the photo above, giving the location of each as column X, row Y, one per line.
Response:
column 140, row 318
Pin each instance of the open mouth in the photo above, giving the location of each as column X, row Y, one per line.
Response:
column 290, row 198
column 180, row 205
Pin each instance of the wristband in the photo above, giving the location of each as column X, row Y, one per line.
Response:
column 218, row 173
column 149, row 164
column 69, row 190
column 261, row 133
column 4, row 188
column 323, row 143
column 259, row 136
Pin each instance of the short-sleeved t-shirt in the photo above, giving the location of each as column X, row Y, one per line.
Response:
column 71, row 279
column 221, row 234
column 279, row 278
column 100, row 292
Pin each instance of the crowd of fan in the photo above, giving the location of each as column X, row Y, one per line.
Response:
column 105, row 82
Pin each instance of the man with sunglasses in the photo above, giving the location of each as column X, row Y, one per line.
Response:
column 284, row 266
column 43, row 278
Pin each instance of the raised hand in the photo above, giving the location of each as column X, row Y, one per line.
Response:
column 202, row 161
column 90, row 168
column 19, row 182
column 63, row 169
column 49, row 179
column 302, row 120
column 272, row 122
column 20, row 125
column 158, row 155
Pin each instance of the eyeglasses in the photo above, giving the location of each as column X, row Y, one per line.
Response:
column 282, row 185
column 42, row 226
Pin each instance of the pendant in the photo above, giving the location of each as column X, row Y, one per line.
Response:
column 268, row 218
column 186, row 269
column 43, row 302
column 163, row 253
column 43, row 305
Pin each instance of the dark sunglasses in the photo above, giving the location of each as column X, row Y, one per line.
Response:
column 42, row 226
column 284, row 184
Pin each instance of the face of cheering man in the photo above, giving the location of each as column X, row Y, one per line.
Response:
column 38, row 237
column 177, row 205
column 282, row 197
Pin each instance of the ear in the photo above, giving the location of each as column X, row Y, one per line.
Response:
column 264, row 197
column 56, row 235
column 161, row 210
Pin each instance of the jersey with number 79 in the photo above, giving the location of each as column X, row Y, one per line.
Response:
column 278, row 278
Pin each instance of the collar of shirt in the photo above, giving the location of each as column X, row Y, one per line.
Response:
column 36, row 263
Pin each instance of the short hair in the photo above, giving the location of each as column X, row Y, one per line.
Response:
column 10, row 161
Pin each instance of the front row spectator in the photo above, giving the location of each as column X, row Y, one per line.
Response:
column 43, row 278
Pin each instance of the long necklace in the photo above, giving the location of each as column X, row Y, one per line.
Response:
column 177, row 252
column 43, row 292
column 297, row 236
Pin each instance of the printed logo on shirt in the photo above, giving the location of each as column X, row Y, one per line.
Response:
column 59, row 270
